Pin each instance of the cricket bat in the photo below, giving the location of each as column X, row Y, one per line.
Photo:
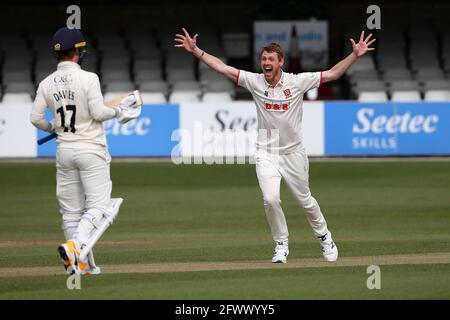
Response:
column 111, row 103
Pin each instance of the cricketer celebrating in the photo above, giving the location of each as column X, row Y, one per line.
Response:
column 280, row 154
column 82, row 159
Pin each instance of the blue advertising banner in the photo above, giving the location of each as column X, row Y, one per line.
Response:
column 387, row 128
column 147, row 136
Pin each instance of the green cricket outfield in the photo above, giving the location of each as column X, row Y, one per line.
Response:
column 199, row 232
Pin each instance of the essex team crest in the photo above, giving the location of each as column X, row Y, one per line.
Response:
column 287, row 93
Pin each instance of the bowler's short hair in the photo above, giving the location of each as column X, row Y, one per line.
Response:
column 273, row 47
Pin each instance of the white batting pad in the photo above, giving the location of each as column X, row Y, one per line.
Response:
column 109, row 214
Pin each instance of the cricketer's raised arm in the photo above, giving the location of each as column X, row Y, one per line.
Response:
column 190, row 45
column 359, row 49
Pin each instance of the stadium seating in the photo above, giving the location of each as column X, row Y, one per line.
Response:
column 236, row 42
column 154, row 86
column 365, row 63
column 437, row 96
column 393, row 74
column 407, row 58
column 153, row 97
column 187, row 86
column 406, row 96
column 20, row 87
column 388, row 62
column 146, row 76
column 436, row 85
column 215, row 97
column 363, row 75
column 16, row 76
column 180, row 75
column 118, row 86
column 409, row 62
column 90, row 64
column 429, row 73
column 372, row 96
column 114, row 75
column 114, row 94
column 369, row 85
column 147, row 70
column 189, row 91
column 184, row 96
column 16, row 98
column 403, row 85
column 220, row 85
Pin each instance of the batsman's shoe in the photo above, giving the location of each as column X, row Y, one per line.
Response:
column 69, row 253
column 281, row 252
column 329, row 248
column 89, row 268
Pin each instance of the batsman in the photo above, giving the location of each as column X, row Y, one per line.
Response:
column 83, row 180
column 280, row 154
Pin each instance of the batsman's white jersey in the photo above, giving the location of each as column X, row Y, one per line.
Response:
column 279, row 108
column 76, row 102
column 82, row 159
column 280, row 151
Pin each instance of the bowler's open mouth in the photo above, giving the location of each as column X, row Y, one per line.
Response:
column 268, row 70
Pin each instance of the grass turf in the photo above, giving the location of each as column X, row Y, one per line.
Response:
column 215, row 213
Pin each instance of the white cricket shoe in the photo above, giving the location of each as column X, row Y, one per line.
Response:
column 89, row 267
column 70, row 253
column 85, row 269
column 89, row 270
column 329, row 248
column 281, row 252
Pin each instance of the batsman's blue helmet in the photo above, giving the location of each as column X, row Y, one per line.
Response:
column 66, row 39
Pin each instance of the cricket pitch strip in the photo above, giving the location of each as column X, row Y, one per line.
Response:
column 401, row 259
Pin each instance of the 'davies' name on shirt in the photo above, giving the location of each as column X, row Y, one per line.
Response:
column 64, row 94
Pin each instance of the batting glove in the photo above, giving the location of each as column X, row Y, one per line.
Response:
column 128, row 109
column 51, row 126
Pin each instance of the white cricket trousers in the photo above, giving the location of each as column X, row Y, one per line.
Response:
column 293, row 168
column 82, row 182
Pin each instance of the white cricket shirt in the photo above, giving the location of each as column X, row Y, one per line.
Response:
column 76, row 102
column 279, row 108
